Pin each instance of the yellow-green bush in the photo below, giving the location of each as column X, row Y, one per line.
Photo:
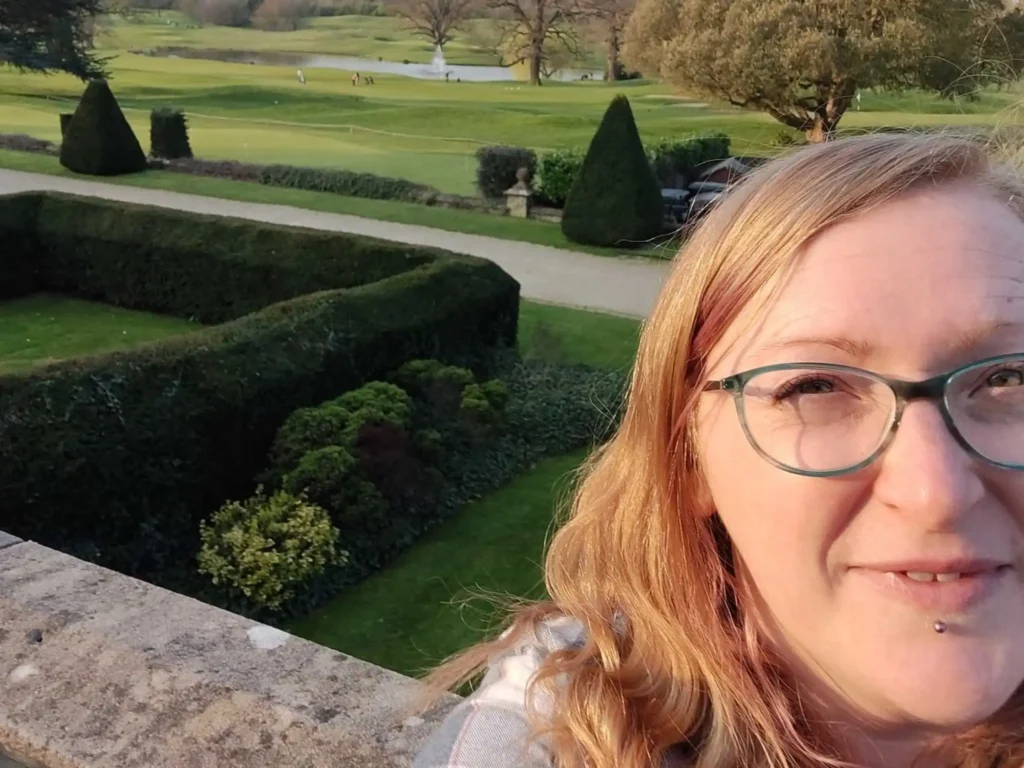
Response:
column 268, row 547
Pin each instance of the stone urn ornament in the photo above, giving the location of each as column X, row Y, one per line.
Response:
column 519, row 197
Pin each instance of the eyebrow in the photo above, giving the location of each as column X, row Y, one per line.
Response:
column 860, row 350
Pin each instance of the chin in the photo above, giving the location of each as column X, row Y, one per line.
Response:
column 951, row 693
column 951, row 715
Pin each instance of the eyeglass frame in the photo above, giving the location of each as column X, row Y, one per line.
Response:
column 933, row 389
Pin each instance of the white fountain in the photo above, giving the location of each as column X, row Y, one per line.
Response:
column 438, row 61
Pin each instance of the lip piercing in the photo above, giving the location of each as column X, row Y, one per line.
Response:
column 940, row 627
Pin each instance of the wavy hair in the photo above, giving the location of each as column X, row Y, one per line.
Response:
column 670, row 657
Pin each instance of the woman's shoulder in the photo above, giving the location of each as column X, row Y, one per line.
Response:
column 491, row 728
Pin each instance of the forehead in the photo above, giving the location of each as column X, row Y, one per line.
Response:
column 910, row 283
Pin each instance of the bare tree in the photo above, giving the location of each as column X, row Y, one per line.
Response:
column 228, row 13
column 435, row 20
column 608, row 18
column 531, row 30
column 282, row 15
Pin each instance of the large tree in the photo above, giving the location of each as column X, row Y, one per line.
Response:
column 436, row 20
column 802, row 61
column 537, row 31
column 50, row 36
column 607, row 23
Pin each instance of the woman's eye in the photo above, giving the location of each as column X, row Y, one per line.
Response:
column 806, row 387
column 1007, row 378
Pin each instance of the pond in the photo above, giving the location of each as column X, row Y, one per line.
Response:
column 436, row 70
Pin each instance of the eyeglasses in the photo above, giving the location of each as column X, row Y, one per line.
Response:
column 824, row 420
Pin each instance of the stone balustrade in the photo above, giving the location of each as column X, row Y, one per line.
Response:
column 99, row 670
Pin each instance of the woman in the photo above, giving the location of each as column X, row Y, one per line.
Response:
column 804, row 545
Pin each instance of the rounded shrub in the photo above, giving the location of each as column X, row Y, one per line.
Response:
column 308, row 429
column 267, row 547
column 331, row 478
column 99, row 141
column 615, row 200
column 377, row 401
column 558, row 170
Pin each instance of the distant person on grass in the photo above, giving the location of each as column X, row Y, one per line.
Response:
column 302, row 77
column 804, row 545
column 355, row 78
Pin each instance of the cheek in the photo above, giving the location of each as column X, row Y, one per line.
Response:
column 785, row 527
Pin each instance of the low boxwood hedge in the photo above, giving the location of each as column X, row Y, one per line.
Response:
column 117, row 457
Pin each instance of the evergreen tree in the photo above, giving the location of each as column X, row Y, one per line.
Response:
column 615, row 199
column 99, row 141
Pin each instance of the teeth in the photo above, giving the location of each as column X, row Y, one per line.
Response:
column 925, row 576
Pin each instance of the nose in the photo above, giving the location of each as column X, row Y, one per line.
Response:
column 925, row 472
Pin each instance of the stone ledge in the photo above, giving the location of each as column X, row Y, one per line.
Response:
column 101, row 670
column 6, row 540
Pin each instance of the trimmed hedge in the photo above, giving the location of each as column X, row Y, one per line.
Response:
column 615, row 199
column 99, row 141
column 337, row 181
column 559, row 168
column 342, row 182
column 496, row 168
column 679, row 156
column 203, row 268
column 117, row 457
column 168, row 134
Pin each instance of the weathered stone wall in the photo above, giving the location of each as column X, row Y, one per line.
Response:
column 98, row 669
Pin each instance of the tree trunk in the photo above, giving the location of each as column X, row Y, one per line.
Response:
column 819, row 132
column 535, row 61
column 613, row 55
column 831, row 111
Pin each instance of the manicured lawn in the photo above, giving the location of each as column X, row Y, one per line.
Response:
column 42, row 329
column 409, row 617
column 426, row 131
column 525, row 230
column 364, row 36
column 589, row 338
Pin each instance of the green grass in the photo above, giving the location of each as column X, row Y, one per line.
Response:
column 426, row 131
column 411, row 615
column 408, row 617
column 41, row 329
column 588, row 338
column 387, row 37
column 524, row 230
column 44, row 328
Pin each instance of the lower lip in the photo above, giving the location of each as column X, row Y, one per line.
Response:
column 941, row 597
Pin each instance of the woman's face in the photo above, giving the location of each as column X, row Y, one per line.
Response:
column 915, row 288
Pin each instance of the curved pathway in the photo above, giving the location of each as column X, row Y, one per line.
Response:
column 553, row 275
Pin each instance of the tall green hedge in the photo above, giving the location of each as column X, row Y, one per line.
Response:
column 168, row 134
column 117, row 457
column 205, row 268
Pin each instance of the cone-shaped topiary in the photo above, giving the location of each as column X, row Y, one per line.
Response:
column 99, row 141
column 615, row 199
